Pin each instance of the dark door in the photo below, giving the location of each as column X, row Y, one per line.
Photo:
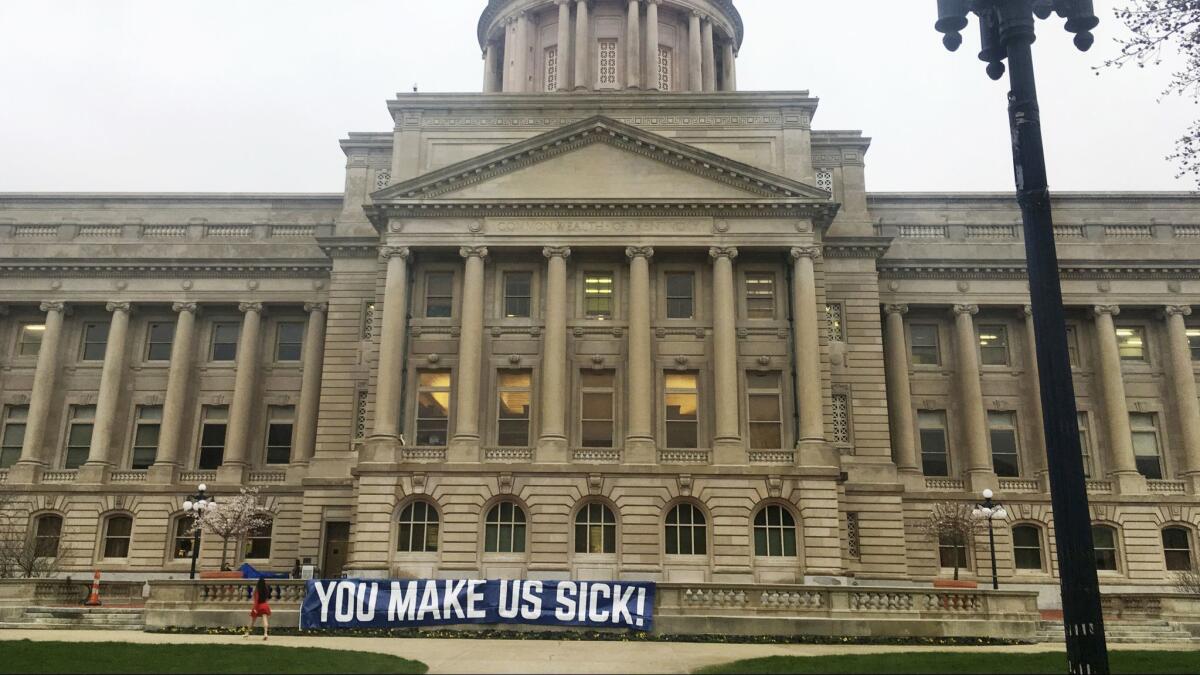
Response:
column 337, row 541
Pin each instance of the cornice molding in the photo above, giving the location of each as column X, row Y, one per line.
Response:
column 857, row 247
column 821, row 214
column 1150, row 271
column 164, row 269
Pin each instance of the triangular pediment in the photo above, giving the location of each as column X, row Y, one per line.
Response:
column 600, row 159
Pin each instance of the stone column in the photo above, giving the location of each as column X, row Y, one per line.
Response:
column 651, row 67
column 899, row 395
column 506, row 68
column 465, row 444
column 1122, row 467
column 521, row 58
column 727, row 441
column 695, row 58
column 807, row 343
column 101, row 454
column 728, row 72
column 489, row 68
column 183, row 348
column 1037, row 458
column 639, row 370
column 392, row 340
column 565, row 63
column 979, row 472
column 552, row 445
column 583, row 44
column 310, row 384
column 241, row 410
column 709, row 58
column 1183, row 376
column 33, row 450
column 633, row 51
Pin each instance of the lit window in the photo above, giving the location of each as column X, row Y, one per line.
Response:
column 682, row 410
column 551, row 74
column 12, row 437
column 79, row 435
column 514, row 395
column 289, row 341
column 118, row 530
column 1193, row 336
column 1027, row 547
column 1177, row 547
column 923, row 344
column 765, row 408
column 774, row 532
column 598, row 394
column 934, row 460
column 686, row 531
column 993, row 345
column 1104, row 539
column 225, row 341
column 418, row 529
column 666, row 60
column 518, row 295
column 46, row 537
column 834, row 322
column 433, row 407
column 1131, row 343
column 952, row 551
column 504, row 529
column 159, row 338
column 30, row 340
column 608, row 63
column 212, row 436
column 1002, row 432
column 760, row 295
column 280, row 424
column 1085, row 444
column 681, row 295
column 595, row 530
column 258, row 543
column 95, row 340
column 439, row 295
column 1146, row 450
column 598, row 295
column 145, row 436
column 184, row 540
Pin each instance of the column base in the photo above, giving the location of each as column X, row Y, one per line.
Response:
column 978, row 480
column 231, row 474
column 1128, row 483
column 26, row 473
column 93, row 473
column 381, row 449
column 817, row 453
column 729, row 451
column 640, row 450
column 463, row 450
column 162, row 474
column 552, row 450
column 912, row 479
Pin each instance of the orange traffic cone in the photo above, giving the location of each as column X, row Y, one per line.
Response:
column 94, row 599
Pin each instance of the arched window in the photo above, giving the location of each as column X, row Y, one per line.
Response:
column 258, row 542
column 1104, row 538
column 774, row 532
column 118, row 531
column 1027, row 547
column 686, row 531
column 418, row 529
column 185, row 539
column 1177, row 547
column 504, row 529
column 47, row 531
column 595, row 529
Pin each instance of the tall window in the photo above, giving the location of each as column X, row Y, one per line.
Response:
column 159, row 338
column 993, row 345
column 952, row 551
column 682, row 410
column 12, row 437
column 1073, row 346
column 212, row 436
column 598, row 295
column 504, row 529
column 118, row 530
column 289, row 340
column 597, row 405
column 47, row 533
column 923, row 344
column 1027, row 547
column 1193, row 336
column 595, row 530
column 550, row 79
column 1104, row 538
column 79, row 435
column 29, row 342
column 1131, row 343
column 439, row 295
column 514, row 396
column 225, row 341
column 1177, row 547
column 774, row 532
column 765, row 410
column 1085, row 444
column 666, row 67
column 433, row 407
column 681, row 295
column 95, row 340
column 686, row 530
column 934, row 460
column 608, row 63
column 145, row 436
column 418, row 529
column 184, row 539
column 1146, row 449
column 518, row 295
column 1002, row 432
column 280, row 426
column 835, row 322
column 258, row 542
column 760, row 295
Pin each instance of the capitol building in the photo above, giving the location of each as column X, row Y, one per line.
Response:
column 611, row 318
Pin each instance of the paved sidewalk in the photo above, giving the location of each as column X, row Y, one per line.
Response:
column 534, row 656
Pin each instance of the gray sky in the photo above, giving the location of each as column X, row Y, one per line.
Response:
column 242, row 95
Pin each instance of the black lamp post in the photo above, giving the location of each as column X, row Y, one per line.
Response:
column 1007, row 33
column 992, row 511
column 196, row 505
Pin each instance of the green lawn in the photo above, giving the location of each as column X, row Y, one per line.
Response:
column 25, row 656
column 959, row 662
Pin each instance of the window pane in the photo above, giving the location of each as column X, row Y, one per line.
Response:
column 518, row 290
column 95, row 339
column 682, row 406
column 289, row 341
column 760, row 295
column 30, row 341
column 1131, row 343
column 924, row 344
column 439, row 294
column 764, row 408
column 225, row 337
column 761, row 380
column 993, row 345
column 682, row 435
column 598, row 295
column 1193, row 336
column 680, row 296
column 160, row 336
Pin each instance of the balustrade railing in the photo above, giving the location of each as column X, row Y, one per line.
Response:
column 683, row 456
column 64, row 476
column 944, row 484
column 508, row 454
column 1167, row 487
column 596, row 455
column 197, row 476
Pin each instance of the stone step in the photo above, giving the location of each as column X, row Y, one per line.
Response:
column 97, row 626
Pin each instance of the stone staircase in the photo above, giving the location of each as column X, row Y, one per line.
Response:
column 79, row 618
column 1150, row 631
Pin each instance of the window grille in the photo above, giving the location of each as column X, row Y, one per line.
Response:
column 841, row 418
column 608, row 63
column 665, row 65
column 853, row 549
column 360, row 414
column 551, row 78
column 825, row 180
column 383, row 177
column 835, row 322
column 368, row 321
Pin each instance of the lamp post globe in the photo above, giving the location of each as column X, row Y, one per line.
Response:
column 195, row 506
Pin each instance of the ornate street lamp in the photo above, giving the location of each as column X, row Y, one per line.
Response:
column 196, row 505
column 992, row 511
column 1007, row 34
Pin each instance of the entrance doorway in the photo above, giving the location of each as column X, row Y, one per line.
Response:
column 337, row 543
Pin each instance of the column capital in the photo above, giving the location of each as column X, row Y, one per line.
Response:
column 256, row 307
column 1027, row 310
column 896, row 309
column 311, row 307
column 696, row 14
column 185, row 307
column 562, row 2
column 53, row 306
column 563, row 252
column 970, row 310
column 473, row 252
column 1111, row 310
column 389, row 252
column 813, row 252
column 717, row 252
column 118, row 307
column 1177, row 310
column 646, row 252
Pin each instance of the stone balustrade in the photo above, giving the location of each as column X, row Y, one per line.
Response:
column 135, row 232
column 18, row 594
column 1014, row 232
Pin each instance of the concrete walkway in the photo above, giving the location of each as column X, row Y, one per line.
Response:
column 534, row 656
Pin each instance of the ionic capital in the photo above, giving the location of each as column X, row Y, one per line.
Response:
column 59, row 307
column 970, row 310
column 1177, row 310
column 255, row 307
column 1111, row 310
column 563, row 252
column 696, row 14
column 646, row 252
column 186, row 307
column 810, row 252
column 311, row 307
column 389, row 252
column 718, row 252
column 118, row 307
column 473, row 252
column 1027, row 310
column 895, row 309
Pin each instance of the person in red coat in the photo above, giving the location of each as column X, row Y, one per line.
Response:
column 260, row 607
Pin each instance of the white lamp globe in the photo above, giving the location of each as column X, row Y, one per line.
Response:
column 1001, row 514
column 201, row 505
column 987, row 494
column 187, row 505
column 203, row 487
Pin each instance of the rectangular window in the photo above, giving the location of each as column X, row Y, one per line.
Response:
column 184, row 539
column 212, row 436
column 79, row 435
column 518, row 295
column 551, row 75
column 30, row 341
column 225, row 341
column 95, row 339
column 1002, row 432
column 439, row 295
column 12, row 437
column 145, row 436
column 1146, row 449
column 289, row 340
column 598, row 295
column 834, row 322
column 1085, row 445
column 934, row 460
column 681, row 295
column 117, row 533
column 841, row 419
column 433, row 407
column 1073, row 346
column 666, row 65
column 760, row 295
column 923, row 343
column 1193, row 336
column 514, row 395
column 280, row 425
column 682, row 394
column 159, row 339
column 993, row 345
column 1131, row 343
column 765, row 410
column 258, row 543
column 597, row 405
column 608, row 63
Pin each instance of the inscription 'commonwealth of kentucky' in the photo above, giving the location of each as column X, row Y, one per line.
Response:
column 600, row 225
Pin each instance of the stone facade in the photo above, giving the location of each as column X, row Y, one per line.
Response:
column 643, row 328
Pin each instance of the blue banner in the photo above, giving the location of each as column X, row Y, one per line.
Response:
column 411, row 603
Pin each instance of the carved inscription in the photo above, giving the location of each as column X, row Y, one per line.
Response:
column 600, row 226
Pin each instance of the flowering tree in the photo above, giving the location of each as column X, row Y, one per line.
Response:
column 22, row 556
column 234, row 517
column 951, row 523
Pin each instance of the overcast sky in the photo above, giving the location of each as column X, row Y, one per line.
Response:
column 242, row 95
